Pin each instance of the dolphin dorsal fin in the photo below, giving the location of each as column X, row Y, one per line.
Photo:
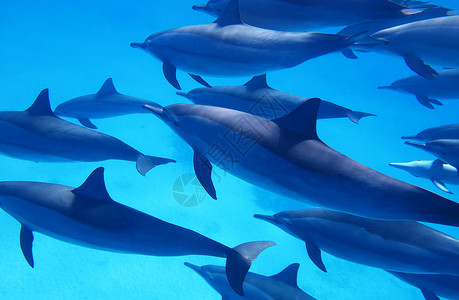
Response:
column 230, row 15
column 289, row 275
column 303, row 119
column 41, row 105
column 257, row 82
column 107, row 88
column 94, row 187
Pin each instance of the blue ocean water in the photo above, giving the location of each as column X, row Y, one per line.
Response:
column 71, row 47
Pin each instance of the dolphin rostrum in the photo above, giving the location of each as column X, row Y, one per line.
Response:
column 400, row 246
column 228, row 47
column 258, row 98
column 89, row 217
column 37, row 134
column 286, row 156
column 106, row 103
column 282, row 286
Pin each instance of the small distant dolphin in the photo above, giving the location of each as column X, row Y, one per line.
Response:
column 257, row 98
column 433, row 41
column 37, row 134
column 305, row 15
column 400, row 246
column 431, row 285
column 282, row 286
column 88, row 216
column 437, row 171
column 446, row 150
column 445, row 86
column 445, row 132
column 287, row 157
column 228, row 47
column 106, row 103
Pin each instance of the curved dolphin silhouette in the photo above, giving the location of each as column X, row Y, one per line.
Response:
column 400, row 246
column 445, row 132
column 106, row 103
column 286, row 156
column 88, row 216
column 37, row 134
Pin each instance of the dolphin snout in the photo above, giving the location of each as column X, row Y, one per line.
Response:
column 193, row 267
column 200, row 7
column 270, row 219
column 386, row 87
column 183, row 95
column 139, row 45
column 398, row 165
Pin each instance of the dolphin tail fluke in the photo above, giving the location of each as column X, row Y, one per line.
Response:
column 145, row 163
column 239, row 259
column 355, row 116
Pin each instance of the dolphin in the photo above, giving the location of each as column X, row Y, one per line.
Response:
column 282, row 286
column 437, row 171
column 432, row 41
column 89, row 217
column 445, row 132
column 286, row 156
column 37, row 134
column 445, row 149
column 445, row 86
column 228, row 47
column 431, row 285
column 290, row 15
column 106, row 103
column 400, row 246
column 257, row 98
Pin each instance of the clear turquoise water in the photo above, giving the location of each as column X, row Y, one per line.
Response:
column 71, row 47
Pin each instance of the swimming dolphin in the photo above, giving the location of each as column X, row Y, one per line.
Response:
column 305, row 15
column 89, row 217
column 432, row 41
column 257, row 98
column 445, row 132
column 286, row 156
column 282, row 286
column 228, row 47
column 445, row 86
column 446, row 150
column 400, row 246
column 106, row 103
column 431, row 285
column 437, row 171
column 37, row 134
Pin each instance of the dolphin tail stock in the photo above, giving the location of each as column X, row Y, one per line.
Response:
column 145, row 163
column 355, row 116
column 238, row 262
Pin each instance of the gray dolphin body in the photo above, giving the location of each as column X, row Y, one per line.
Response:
column 445, row 132
column 305, row 15
column 286, row 156
column 432, row 285
column 37, row 134
column 445, row 86
column 228, row 47
column 445, row 149
column 89, row 217
column 433, row 41
column 400, row 246
column 282, row 286
column 437, row 171
column 106, row 103
column 257, row 98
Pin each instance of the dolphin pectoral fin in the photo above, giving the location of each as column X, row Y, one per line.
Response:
column 347, row 52
column 170, row 72
column 203, row 171
column 238, row 262
column 107, row 88
column 417, row 65
column 41, row 105
column 230, row 15
column 200, row 80
column 289, row 275
column 87, row 123
column 441, row 186
column 355, row 116
column 145, row 163
column 426, row 101
column 428, row 295
column 26, row 241
column 315, row 255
